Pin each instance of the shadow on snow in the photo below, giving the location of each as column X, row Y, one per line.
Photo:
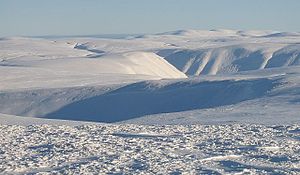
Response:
column 141, row 99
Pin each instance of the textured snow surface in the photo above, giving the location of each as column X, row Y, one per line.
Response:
column 138, row 149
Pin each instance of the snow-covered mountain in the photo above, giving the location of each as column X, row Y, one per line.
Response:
column 164, row 76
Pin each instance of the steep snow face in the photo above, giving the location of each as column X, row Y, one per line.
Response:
column 36, row 63
column 144, row 63
column 134, row 63
column 233, row 58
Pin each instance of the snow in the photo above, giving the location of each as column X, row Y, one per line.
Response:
column 173, row 149
column 253, row 97
column 37, row 63
column 180, row 77
column 27, row 121
column 187, row 101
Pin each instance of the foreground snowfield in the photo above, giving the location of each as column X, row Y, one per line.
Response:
column 190, row 101
column 141, row 149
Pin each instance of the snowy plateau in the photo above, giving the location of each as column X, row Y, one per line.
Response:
column 181, row 102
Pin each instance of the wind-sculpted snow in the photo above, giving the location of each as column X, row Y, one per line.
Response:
column 138, row 149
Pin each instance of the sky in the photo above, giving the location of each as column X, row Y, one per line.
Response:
column 91, row 17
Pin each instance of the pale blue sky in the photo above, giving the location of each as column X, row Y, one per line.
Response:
column 86, row 17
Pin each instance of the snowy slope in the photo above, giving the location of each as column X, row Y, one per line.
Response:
column 196, row 52
column 255, row 97
column 235, row 58
column 233, row 76
column 219, row 52
column 27, row 64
